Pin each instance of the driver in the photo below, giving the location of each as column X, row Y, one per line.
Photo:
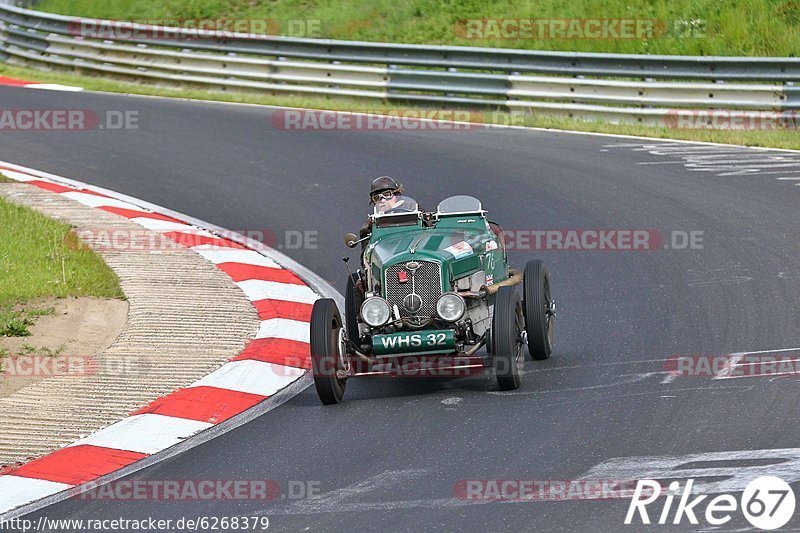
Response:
column 385, row 194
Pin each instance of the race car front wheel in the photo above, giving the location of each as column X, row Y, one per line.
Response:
column 539, row 310
column 507, row 326
column 328, row 361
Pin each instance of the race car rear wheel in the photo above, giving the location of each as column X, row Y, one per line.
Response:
column 539, row 310
column 352, row 305
column 507, row 326
column 327, row 357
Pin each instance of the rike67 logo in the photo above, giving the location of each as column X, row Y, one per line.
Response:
column 767, row 503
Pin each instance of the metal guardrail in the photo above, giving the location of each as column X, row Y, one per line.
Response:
column 577, row 85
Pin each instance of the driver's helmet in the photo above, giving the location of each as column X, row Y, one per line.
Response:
column 384, row 188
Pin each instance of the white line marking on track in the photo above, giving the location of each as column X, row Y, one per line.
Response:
column 722, row 160
column 710, row 390
column 779, row 172
column 18, row 176
column 730, row 364
column 453, row 400
column 758, row 363
column 727, row 368
column 54, row 87
column 606, row 363
column 669, row 378
column 323, row 507
column 781, row 350
column 712, row 166
column 336, row 500
column 659, row 162
column 735, row 478
column 625, row 380
column 727, row 281
column 715, row 472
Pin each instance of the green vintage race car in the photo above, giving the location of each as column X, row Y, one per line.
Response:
column 432, row 290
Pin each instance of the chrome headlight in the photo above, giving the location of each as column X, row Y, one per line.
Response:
column 450, row 307
column 375, row 311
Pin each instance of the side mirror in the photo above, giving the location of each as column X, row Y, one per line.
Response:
column 350, row 240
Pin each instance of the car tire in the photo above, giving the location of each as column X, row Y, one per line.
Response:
column 326, row 357
column 352, row 306
column 538, row 307
column 507, row 326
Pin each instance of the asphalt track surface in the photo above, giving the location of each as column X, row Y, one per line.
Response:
column 389, row 457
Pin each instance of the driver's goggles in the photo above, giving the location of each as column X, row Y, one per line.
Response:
column 385, row 195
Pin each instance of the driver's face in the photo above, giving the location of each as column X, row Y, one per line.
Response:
column 385, row 204
column 388, row 203
column 383, row 195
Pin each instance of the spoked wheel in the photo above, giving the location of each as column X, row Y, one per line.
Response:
column 328, row 357
column 540, row 310
column 507, row 327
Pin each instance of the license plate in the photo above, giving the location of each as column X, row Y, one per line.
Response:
column 433, row 341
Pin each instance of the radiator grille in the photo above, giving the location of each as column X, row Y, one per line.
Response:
column 426, row 282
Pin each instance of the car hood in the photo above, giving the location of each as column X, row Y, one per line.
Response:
column 426, row 245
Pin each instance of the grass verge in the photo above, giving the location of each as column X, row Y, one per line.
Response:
column 40, row 257
column 788, row 139
column 694, row 27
